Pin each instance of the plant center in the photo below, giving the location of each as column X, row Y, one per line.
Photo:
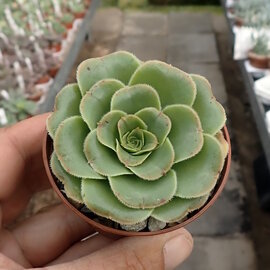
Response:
column 133, row 141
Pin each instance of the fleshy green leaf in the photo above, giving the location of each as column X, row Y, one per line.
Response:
column 133, row 141
column 67, row 103
column 72, row 184
column 178, row 208
column 223, row 142
column 138, row 193
column 128, row 159
column 134, row 98
column 197, row 176
column 144, row 142
column 150, row 142
column 211, row 112
column 157, row 122
column 102, row 158
column 107, row 131
column 186, row 133
column 128, row 123
column 199, row 202
column 99, row 198
column 157, row 164
column 96, row 102
column 119, row 65
column 71, row 154
column 173, row 85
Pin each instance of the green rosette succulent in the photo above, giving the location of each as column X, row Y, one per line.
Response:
column 134, row 140
column 67, row 18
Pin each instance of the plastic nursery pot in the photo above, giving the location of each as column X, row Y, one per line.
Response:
column 64, row 35
column 69, row 25
column 87, row 3
column 36, row 96
column 44, row 79
column 238, row 21
column 56, row 47
column 79, row 15
column 112, row 232
column 53, row 71
column 258, row 61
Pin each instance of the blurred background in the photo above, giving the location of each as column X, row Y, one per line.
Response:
column 42, row 42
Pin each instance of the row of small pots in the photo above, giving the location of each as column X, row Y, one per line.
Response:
column 38, row 86
column 256, row 60
column 44, row 82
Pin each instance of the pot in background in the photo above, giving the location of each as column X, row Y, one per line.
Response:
column 87, row 3
column 239, row 21
column 43, row 79
column 79, row 15
column 258, row 61
column 69, row 25
column 56, row 46
column 35, row 96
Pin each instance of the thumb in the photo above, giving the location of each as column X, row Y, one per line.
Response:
column 164, row 251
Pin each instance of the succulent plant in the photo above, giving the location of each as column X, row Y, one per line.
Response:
column 261, row 45
column 134, row 140
column 253, row 13
column 67, row 18
column 58, row 28
column 17, row 107
column 76, row 8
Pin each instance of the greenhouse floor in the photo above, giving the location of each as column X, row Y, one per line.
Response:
column 227, row 236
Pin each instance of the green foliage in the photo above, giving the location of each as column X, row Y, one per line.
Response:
column 58, row 27
column 76, row 8
column 132, row 3
column 67, row 18
column 253, row 13
column 261, row 45
column 17, row 107
column 110, row 2
column 184, row 2
column 145, row 3
column 140, row 139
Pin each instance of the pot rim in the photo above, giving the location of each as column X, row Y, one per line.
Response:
column 116, row 232
column 258, row 57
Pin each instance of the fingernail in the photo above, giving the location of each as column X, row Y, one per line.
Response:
column 176, row 250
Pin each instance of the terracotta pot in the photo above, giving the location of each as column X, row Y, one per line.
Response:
column 238, row 21
column 79, row 15
column 56, row 47
column 87, row 3
column 268, row 61
column 64, row 35
column 53, row 71
column 36, row 96
column 69, row 25
column 111, row 232
column 258, row 61
column 43, row 79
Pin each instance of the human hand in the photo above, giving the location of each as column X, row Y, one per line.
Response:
column 53, row 238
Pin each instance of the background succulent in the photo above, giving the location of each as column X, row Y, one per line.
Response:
column 134, row 140
column 261, row 45
column 16, row 106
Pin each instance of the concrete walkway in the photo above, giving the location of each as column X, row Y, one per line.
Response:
column 187, row 40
